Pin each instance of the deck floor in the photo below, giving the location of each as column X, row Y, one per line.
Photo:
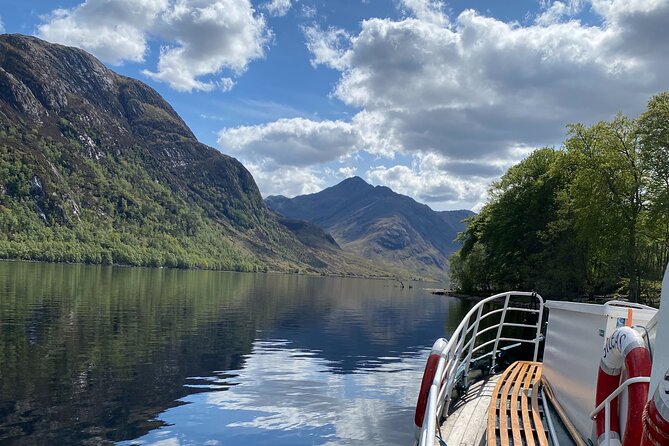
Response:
column 468, row 419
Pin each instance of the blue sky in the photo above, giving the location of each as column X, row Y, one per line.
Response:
column 434, row 99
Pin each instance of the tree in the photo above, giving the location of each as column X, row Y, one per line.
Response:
column 653, row 130
column 607, row 199
column 506, row 244
column 591, row 218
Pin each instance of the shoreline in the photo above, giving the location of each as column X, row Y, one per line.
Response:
column 171, row 268
column 583, row 299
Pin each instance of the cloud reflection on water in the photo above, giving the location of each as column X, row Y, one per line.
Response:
column 291, row 396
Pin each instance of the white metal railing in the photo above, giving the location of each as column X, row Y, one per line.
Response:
column 606, row 404
column 456, row 354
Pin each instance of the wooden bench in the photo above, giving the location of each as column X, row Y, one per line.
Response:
column 514, row 418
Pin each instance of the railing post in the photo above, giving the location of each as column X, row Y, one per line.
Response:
column 447, row 393
column 471, row 347
column 607, row 422
column 450, row 381
column 499, row 331
column 540, row 320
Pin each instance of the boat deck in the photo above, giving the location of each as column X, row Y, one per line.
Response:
column 501, row 410
column 515, row 416
column 468, row 418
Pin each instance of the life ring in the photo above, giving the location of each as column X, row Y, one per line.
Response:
column 428, row 377
column 656, row 417
column 625, row 347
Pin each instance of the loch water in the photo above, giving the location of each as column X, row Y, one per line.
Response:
column 102, row 355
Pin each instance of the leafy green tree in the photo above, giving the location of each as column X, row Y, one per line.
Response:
column 653, row 130
column 506, row 244
column 607, row 198
column 591, row 218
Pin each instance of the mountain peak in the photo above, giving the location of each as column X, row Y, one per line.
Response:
column 354, row 180
column 41, row 80
column 379, row 224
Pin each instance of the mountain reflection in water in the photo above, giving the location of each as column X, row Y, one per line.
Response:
column 90, row 355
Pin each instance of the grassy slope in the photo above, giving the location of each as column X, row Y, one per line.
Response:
column 112, row 212
column 98, row 168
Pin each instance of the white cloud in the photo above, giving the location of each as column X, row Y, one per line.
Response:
column 441, row 182
column 274, row 152
column 308, row 11
column 278, row 8
column 212, row 35
column 327, row 47
column 447, row 183
column 427, row 10
column 285, row 180
column 226, row 84
column 559, row 10
column 291, row 142
column 347, row 172
column 2, row 26
column 476, row 90
column 114, row 31
column 282, row 155
column 204, row 36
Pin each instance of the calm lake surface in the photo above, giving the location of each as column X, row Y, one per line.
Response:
column 97, row 355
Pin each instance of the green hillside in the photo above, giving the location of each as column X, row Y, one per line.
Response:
column 98, row 168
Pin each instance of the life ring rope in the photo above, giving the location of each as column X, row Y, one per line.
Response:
column 656, row 417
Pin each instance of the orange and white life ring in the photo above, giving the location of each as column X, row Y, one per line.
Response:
column 624, row 348
column 426, row 383
column 656, row 417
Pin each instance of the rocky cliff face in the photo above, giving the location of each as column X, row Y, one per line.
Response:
column 65, row 92
column 379, row 224
column 98, row 167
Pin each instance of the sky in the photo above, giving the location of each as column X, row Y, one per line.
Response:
column 434, row 99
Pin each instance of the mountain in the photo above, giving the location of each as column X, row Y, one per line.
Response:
column 97, row 167
column 379, row 224
column 456, row 219
column 309, row 234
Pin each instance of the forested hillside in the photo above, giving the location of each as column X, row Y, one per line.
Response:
column 590, row 218
column 98, row 168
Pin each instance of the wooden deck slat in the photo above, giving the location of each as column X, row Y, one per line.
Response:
column 515, row 399
column 503, row 410
column 524, row 406
column 513, row 407
column 522, row 429
column 468, row 416
column 541, row 434
column 492, row 412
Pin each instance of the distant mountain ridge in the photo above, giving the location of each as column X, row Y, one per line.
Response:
column 97, row 167
column 380, row 224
